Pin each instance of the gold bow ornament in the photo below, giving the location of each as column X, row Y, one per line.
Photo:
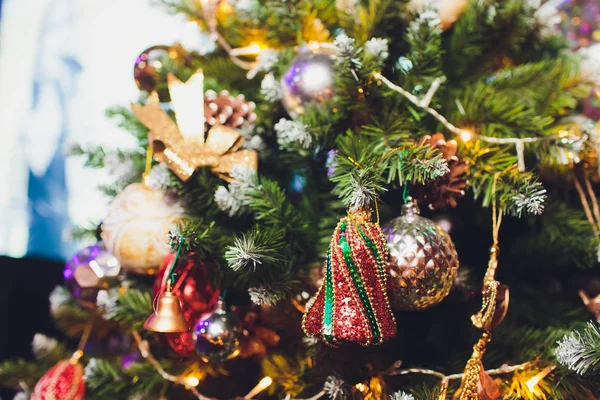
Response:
column 182, row 145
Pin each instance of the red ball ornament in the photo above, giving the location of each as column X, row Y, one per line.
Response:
column 196, row 292
column 64, row 381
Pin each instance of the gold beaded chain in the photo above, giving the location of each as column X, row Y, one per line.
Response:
column 483, row 319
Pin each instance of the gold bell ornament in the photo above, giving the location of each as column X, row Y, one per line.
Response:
column 168, row 315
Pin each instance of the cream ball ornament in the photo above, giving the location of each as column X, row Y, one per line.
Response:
column 136, row 226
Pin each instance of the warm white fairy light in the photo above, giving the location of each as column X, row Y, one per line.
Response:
column 262, row 385
column 192, row 381
column 536, row 379
column 466, row 135
column 253, row 49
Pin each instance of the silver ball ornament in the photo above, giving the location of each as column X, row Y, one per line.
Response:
column 308, row 79
column 217, row 335
column 423, row 260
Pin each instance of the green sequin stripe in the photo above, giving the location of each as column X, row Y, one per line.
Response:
column 373, row 247
column 328, row 308
column 360, row 289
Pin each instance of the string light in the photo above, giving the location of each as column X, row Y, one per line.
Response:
column 262, row 385
column 253, row 49
column 466, row 135
column 533, row 382
column 192, row 381
column 361, row 387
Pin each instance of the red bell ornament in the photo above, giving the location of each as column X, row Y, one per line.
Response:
column 352, row 305
column 196, row 292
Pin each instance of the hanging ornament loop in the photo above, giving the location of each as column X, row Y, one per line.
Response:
column 171, row 275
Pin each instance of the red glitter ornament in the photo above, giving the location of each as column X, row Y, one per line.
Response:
column 64, row 381
column 351, row 304
column 194, row 288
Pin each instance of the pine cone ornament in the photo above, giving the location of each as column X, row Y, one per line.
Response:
column 444, row 191
column 224, row 109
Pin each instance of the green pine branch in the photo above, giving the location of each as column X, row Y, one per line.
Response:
column 131, row 309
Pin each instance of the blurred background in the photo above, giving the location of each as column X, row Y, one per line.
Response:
column 62, row 64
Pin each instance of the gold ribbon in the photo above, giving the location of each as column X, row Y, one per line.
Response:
column 185, row 152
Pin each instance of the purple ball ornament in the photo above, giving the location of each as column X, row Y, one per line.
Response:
column 309, row 78
column 90, row 270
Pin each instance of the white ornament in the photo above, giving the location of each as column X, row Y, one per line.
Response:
column 136, row 226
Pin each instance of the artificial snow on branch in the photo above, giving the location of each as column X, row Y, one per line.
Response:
column 58, row 298
column 400, row 395
column 292, row 133
column 43, row 345
column 270, row 88
column 159, row 177
column 262, row 296
column 335, row 387
column 580, row 351
column 233, row 199
column 378, row 48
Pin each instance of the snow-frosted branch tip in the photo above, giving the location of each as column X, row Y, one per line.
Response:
column 344, row 43
column 243, row 174
column 378, row 48
column 532, row 202
column 430, row 17
column 436, row 168
column 267, row 59
column 227, row 201
column 255, row 143
column 335, row 387
column 270, row 88
column 175, row 236
column 362, row 197
column 58, row 298
column 91, row 370
column 263, row 297
column 159, row 177
column 590, row 63
column 107, row 299
column 400, row 395
column 292, row 132
column 42, row 345
column 247, row 254
column 580, row 352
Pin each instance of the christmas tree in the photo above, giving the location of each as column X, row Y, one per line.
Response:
column 339, row 202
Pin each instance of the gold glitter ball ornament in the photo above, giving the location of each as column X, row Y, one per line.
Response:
column 423, row 260
column 136, row 226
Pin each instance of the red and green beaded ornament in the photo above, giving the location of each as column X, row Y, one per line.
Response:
column 351, row 305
